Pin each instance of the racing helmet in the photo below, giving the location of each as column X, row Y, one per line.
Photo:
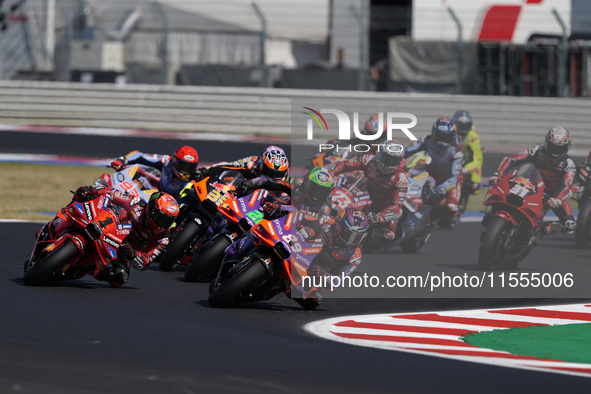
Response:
column 558, row 142
column 274, row 162
column 184, row 162
column 161, row 211
column 390, row 156
column 372, row 127
column 318, row 184
column 350, row 228
column 463, row 122
column 443, row 132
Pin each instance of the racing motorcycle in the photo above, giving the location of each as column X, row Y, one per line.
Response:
column 137, row 180
column 415, row 226
column 81, row 239
column 350, row 191
column 196, row 216
column 582, row 191
column 259, row 265
column 235, row 216
column 513, row 218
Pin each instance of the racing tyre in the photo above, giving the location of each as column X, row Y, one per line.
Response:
column 179, row 245
column 230, row 291
column 206, row 263
column 45, row 270
column 494, row 249
column 583, row 229
column 412, row 245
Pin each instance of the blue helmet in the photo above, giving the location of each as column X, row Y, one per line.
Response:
column 443, row 132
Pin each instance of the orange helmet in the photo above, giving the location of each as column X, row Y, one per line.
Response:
column 184, row 162
column 161, row 211
column 274, row 162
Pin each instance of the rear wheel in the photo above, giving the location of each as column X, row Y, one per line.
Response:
column 44, row 271
column 494, row 252
column 180, row 245
column 412, row 245
column 230, row 291
column 583, row 229
column 206, row 263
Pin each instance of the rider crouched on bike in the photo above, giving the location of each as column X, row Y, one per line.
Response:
column 387, row 184
column 557, row 170
column 149, row 234
column 267, row 171
column 341, row 249
column 446, row 161
column 470, row 145
column 176, row 170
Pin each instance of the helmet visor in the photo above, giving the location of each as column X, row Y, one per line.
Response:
column 317, row 192
column 183, row 168
column 349, row 236
column 463, row 128
column 388, row 160
column 161, row 219
column 444, row 138
column 556, row 150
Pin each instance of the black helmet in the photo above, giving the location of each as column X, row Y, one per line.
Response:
column 463, row 122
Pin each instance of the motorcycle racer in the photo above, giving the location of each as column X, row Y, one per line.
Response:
column 149, row 234
column 176, row 170
column 446, row 160
column 387, row 185
column 470, row 144
column 267, row 171
column 557, row 170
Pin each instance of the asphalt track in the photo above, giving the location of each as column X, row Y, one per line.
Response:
column 158, row 335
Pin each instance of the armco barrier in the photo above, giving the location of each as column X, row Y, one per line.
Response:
column 501, row 120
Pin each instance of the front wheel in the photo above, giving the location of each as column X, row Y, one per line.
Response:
column 230, row 291
column 583, row 229
column 206, row 263
column 44, row 271
column 495, row 246
column 180, row 245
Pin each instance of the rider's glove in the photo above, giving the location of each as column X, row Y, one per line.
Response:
column 272, row 211
column 494, row 178
column 119, row 163
column 199, row 174
column 554, row 202
column 244, row 188
column 374, row 217
column 84, row 193
column 441, row 190
column 127, row 252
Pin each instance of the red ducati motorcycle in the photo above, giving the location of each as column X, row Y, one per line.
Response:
column 513, row 221
column 81, row 239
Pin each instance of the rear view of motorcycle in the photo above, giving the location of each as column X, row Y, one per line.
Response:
column 81, row 239
column 513, row 221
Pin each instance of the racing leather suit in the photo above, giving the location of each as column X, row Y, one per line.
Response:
column 147, row 243
column 168, row 183
column 473, row 158
column 387, row 191
column 557, row 175
column 445, row 167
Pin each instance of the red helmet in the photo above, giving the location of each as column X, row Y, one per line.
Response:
column 161, row 211
column 184, row 162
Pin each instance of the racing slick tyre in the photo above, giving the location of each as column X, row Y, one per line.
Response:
column 230, row 291
column 583, row 229
column 44, row 271
column 179, row 245
column 494, row 250
column 206, row 263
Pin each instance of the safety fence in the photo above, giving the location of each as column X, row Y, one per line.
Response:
column 513, row 121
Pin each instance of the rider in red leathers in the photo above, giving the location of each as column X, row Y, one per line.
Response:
column 149, row 234
column 387, row 185
column 557, row 170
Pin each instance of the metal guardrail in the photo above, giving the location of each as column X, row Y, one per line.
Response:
column 501, row 120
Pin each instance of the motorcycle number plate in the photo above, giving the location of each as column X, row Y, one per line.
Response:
column 519, row 190
column 216, row 197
